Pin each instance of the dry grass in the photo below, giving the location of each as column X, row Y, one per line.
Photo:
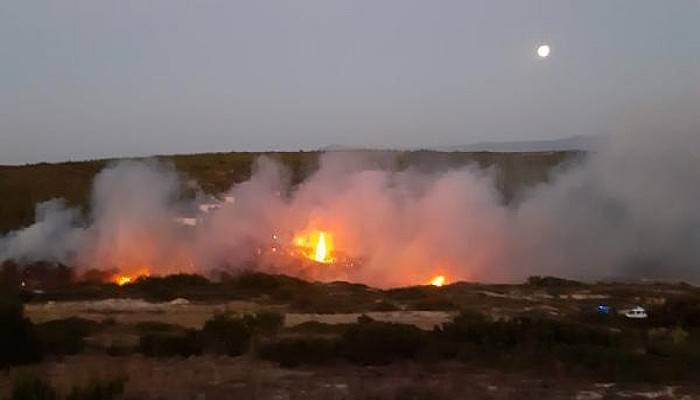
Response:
column 193, row 315
column 426, row 320
column 219, row 378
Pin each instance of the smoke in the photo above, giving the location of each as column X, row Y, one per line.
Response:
column 630, row 210
column 133, row 206
column 55, row 236
column 129, row 226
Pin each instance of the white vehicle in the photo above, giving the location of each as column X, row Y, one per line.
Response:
column 635, row 313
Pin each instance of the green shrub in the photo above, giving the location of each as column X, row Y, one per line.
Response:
column 417, row 392
column 19, row 343
column 523, row 333
column 378, row 343
column 170, row 344
column 552, row 282
column 292, row 352
column 319, row 328
column 66, row 336
column 264, row 322
column 172, row 286
column 683, row 312
column 280, row 288
column 223, row 334
column 97, row 390
column 145, row 327
column 437, row 303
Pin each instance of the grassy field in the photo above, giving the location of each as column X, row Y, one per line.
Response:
column 21, row 187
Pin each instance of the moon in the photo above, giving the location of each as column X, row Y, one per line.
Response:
column 543, row 51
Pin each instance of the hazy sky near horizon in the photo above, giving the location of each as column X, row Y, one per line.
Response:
column 84, row 79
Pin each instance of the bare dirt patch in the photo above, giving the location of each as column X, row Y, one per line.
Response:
column 193, row 315
column 426, row 320
column 129, row 311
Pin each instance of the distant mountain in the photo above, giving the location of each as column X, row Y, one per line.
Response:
column 579, row 142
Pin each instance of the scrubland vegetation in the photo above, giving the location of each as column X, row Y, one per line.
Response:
column 33, row 388
column 664, row 348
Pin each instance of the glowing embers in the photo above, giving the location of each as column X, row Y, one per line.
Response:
column 316, row 246
column 438, row 280
column 126, row 279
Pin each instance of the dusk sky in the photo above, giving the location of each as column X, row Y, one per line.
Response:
column 92, row 79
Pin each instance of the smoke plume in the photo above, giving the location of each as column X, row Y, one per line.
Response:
column 629, row 210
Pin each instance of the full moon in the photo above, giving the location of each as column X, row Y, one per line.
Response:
column 543, row 51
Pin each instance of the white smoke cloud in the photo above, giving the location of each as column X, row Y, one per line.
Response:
column 55, row 236
column 628, row 211
column 631, row 210
column 133, row 206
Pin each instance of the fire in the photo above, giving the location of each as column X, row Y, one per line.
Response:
column 321, row 253
column 125, row 279
column 122, row 280
column 316, row 246
column 438, row 281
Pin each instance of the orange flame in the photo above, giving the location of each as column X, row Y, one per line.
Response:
column 321, row 253
column 316, row 246
column 125, row 279
column 122, row 280
column 438, row 280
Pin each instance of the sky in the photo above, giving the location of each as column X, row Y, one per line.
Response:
column 84, row 79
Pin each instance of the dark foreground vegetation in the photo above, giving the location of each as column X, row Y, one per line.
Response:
column 33, row 388
column 658, row 355
column 25, row 186
column 664, row 348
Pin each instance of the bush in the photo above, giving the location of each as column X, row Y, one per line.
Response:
column 170, row 344
column 264, row 322
column 552, row 282
column 172, row 286
column 223, row 334
column 417, row 392
column 251, row 284
column 66, row 336
column 319, row 328
column 33, row 389
column 433, row 304
column 523, row 333
column 684, row 312
column 379, row 343
column 146, row 327
column 292, row 352
column 18, row 340
column 97, row 390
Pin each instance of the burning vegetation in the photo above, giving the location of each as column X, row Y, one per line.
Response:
column 359, row 218
column 438, row 281
column 316, row 246
column 122, row 279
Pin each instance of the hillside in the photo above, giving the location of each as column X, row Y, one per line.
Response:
column 21, row 187
column 572, row 143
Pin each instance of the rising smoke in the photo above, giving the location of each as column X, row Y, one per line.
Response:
column 630, row 210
